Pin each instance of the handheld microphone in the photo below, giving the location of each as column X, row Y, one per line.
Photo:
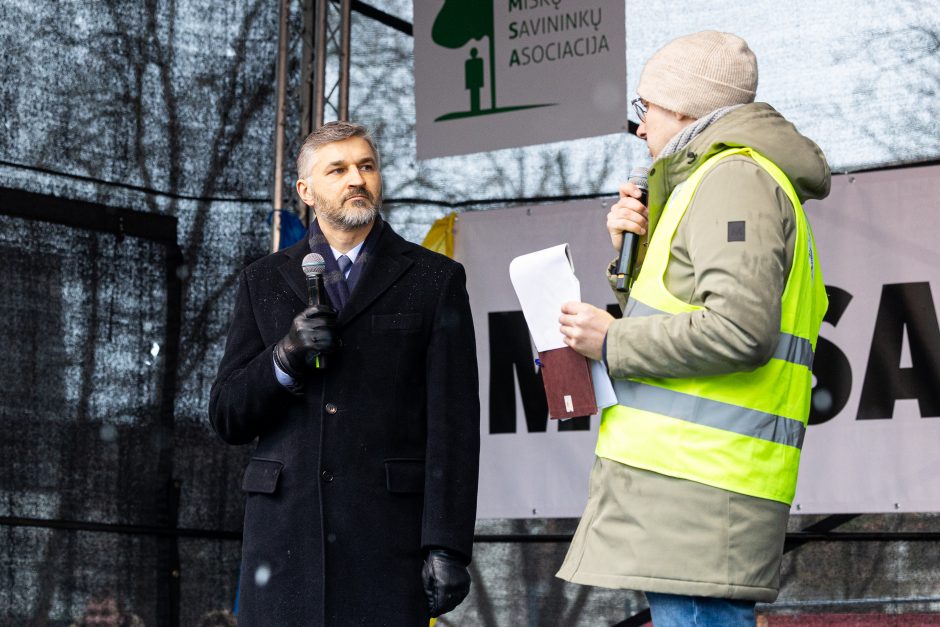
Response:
column 627, row 260
column 314, row 266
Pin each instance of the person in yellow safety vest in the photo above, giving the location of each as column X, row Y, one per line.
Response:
column 696, row 464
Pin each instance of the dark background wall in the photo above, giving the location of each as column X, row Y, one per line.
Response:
column 110, row 330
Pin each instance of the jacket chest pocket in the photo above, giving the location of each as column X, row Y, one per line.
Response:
column 397, row 323
column 261, row 476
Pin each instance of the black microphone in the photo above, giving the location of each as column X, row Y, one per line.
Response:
column 314, row 266
column 627, row 260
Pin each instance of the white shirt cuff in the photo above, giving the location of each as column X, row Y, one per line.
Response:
column 285, row 379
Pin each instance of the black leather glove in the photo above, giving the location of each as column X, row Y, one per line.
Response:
column 446, row 581
column 313, row 332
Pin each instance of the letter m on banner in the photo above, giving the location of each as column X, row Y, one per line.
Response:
column 511, row 359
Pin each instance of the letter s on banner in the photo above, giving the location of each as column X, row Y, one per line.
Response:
column 830, row 366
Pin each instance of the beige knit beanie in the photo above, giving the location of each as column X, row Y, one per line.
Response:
column 701, row 72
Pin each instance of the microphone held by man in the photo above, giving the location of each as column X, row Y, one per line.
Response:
column 626, row 262
column 584, row 325
column 312, row 334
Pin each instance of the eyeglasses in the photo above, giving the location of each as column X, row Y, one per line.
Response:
column 640, row 108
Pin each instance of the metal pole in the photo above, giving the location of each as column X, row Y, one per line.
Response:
column 279, row 127
column 306, row 68
column 345, row 15
column 306, row 88
column 319, row 97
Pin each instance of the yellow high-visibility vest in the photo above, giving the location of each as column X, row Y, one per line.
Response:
column 742, row 431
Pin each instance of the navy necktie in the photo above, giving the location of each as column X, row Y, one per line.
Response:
column 344, row 264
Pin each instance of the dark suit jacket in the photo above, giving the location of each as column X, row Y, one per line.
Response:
column 375, row 462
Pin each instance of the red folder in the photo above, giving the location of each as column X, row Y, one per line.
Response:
column 569, row 389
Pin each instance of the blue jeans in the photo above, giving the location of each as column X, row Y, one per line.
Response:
column 674, row 610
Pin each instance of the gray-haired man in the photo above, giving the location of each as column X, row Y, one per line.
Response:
column 361, row 493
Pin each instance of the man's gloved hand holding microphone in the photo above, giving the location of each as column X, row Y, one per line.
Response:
column 312, row 333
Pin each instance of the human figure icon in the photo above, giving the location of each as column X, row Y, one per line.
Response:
column 473, row 71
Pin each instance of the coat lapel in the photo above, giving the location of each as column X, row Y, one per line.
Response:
column 381, row 270
column 386, row 264
column 293, row 272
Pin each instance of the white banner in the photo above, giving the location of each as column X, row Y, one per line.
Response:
column 874, row 441
column 507, row 73
column 879, row 355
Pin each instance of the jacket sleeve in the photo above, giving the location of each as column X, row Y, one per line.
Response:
column 739, row 283
column 453, row 422
column 245, row 394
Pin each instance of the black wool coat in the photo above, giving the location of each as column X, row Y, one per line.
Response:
column 374, row 462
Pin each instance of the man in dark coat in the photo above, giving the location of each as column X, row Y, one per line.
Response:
column 361, row 494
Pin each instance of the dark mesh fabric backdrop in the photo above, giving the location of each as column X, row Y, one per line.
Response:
column 167, row 108
column 83, row 319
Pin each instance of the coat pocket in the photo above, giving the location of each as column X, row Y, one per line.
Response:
column 400, row 323
column 261, row 475
column 404, row 475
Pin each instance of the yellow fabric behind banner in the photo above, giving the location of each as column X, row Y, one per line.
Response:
column 440, row 237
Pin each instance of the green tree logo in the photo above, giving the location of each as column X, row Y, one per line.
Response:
column 458, row 23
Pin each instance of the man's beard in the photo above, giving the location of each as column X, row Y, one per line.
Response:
column 356, row 214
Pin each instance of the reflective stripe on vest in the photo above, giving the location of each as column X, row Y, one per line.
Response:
column 703, row 411
column 741, row 431
column 796, row 350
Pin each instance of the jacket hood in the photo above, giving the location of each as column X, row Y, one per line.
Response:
column 758, row 126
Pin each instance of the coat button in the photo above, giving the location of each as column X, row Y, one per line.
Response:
column 331, row 408
column 327, row 475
